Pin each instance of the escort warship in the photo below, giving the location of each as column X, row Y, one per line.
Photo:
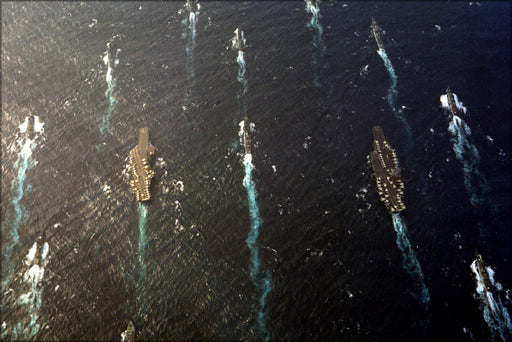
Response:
column 482, row 272
column 377, row 34
column 451, row 102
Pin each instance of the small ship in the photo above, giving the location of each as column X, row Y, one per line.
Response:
column 141, row 170
column 30, row 126
column 39, row 251
column 387, row 172
column 377, row 34
column 311, row 3
column 190, row 5
column 247, row 138
column 482, row 272
column 451, row 101
column 129, row 333
column 110, row 54
column 238, row 41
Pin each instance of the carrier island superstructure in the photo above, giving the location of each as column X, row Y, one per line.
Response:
column 141, row 170
column 387, row 172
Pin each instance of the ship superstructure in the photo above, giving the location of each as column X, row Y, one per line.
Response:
column 377, row 34
column 141, row 170
column 451, row 101
column 385, row 166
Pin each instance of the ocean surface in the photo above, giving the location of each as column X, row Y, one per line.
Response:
column 290, row 241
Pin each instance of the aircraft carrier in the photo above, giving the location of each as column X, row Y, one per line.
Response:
column 484, row 275
column 451, row 101
column 141, row 170
column 387, row 172
column 247, row 138
column 377, row 33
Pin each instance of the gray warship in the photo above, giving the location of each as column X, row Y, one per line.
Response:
column 377, row 33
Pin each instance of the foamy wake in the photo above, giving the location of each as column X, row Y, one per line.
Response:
column 27, row 327
column 260, row 278
column 393, row 93
column 141, row 300
column 111, row 83
column 409, row 261
column 318, row 42
column 190, row 23
column 24, row 145
column 495, row 313
column 239, row 44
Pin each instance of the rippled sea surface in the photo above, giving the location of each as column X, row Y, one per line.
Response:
column 295, row 244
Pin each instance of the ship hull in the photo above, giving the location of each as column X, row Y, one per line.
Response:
column 377, row 34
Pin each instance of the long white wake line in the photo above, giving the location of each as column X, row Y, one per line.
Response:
column 141, row 297
column 410, row 262
column 24, row 145
column 261, row 279
column 26, row 141
column 392, row 94
column 190, row 23
column 494, row 311
column 318, row 41
column 111, row 60
column 238, row 43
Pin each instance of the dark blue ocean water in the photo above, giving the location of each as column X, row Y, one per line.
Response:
column 295, row 244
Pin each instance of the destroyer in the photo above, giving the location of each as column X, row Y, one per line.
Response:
column 110, row 54
column 451, row 101
column 30, row 126
column 387, row 172
column 191, row 4
column 311, row 3
column 141, row 171
column 130, row 332
column 238, row 41
column 247, row 138
column 377, row 34
column 482, row 272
